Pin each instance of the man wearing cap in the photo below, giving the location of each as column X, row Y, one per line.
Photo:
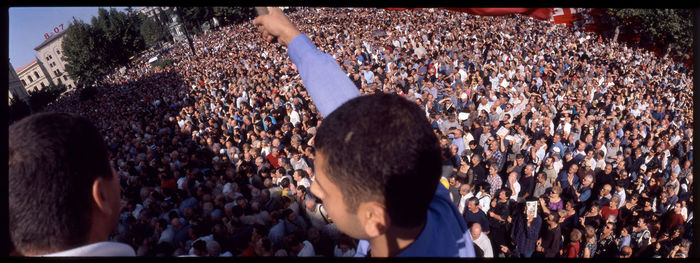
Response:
column 641, row 172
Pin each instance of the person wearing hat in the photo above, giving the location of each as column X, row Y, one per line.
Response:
column 642, row 172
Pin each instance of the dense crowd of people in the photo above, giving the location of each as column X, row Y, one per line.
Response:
column 215, row 154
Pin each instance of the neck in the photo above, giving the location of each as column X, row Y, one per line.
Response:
column 394, row 240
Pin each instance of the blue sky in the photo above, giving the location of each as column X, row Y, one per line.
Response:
column 29, row 24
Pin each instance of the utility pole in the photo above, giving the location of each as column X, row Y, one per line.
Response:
column 187, row 34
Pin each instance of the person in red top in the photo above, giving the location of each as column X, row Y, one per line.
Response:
column 574, row 247
column 168, row 182
column 675, row 218
column 273, row 157
column 610, row 209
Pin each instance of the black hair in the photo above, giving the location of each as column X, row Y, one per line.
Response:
column 485, row 186
column 403, row 175
column 302, row 173
column 200, row 245
column 285, row 182
column 555, row 216
column 54, row 159
column 474, row 199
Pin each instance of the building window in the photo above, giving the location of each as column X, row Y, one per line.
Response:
column 43, row 86
column 30, row 79
column 37, row 75
column 58, row 51
column 24, row 83
column 65, row 77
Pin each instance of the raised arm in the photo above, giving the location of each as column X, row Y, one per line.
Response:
column 325, row 81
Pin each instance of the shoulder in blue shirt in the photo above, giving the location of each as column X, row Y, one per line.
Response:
column 445, row 234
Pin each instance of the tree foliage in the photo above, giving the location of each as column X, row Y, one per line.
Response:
column 121, row 32
column 93, row 50
column 38, row 99
column 83, row 53
column 233, row 14
column 671, row 27
column 194, row 17
column 17, row 110
column 153, row 32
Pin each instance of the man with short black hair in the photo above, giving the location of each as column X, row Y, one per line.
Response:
column 475, row 215
column 378, row 161
column 64, row 198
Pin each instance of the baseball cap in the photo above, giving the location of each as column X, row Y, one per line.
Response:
column 643, row 167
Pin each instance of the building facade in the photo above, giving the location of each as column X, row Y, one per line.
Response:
column 15, row 86
column 173, row 26
column 51, row 52
column 34, row 76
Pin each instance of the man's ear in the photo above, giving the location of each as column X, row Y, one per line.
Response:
column 101, row 195
column 373, row 218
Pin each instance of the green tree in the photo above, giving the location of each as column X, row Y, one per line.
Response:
column 40, row 98
column 194, row 17
column 233, row 14
column 86, row 60
column 17, row 110
column 122, row 34
column 671, row 27
column 93, row 50
column 152, row 31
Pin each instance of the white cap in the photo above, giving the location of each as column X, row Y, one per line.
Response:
column 463, row 116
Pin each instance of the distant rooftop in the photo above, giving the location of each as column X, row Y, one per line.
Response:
column 26, row 66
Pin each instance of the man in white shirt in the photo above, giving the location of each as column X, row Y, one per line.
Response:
column 481, row 240
column 514, row 185
column 302, row 178
column 66, row 201
column 465, row 193
column 484, row 198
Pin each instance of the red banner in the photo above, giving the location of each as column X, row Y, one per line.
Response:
column 537, row 13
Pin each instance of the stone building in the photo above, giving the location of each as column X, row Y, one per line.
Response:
column 15, row 87
column 51, row 52
column 34, row 76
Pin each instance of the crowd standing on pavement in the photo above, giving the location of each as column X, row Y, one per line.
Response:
column 215, row 154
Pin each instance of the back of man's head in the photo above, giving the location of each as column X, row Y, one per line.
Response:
column 54, row 160
column 382, row 148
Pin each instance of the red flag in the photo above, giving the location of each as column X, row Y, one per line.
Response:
column 537, row 13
